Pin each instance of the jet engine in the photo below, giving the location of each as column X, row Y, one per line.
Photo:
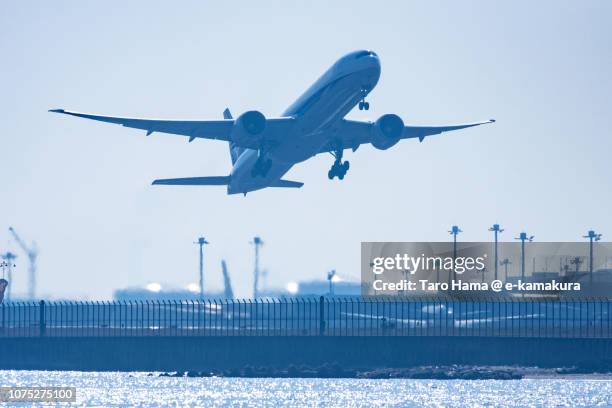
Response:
column 249, row 125
column 387, row 131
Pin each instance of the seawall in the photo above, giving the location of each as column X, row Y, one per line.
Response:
column 175, row 353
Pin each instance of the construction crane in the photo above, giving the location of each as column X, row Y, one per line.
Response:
column 32, row 253
column 229, row 293
column 8, row 263
column 257, row 243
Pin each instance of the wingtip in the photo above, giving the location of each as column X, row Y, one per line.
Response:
column 57, row 110
column 491, row 120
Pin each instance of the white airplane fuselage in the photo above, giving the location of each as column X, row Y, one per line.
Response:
column 317, row 113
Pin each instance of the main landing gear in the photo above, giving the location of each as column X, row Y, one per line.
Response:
column 339, row 168
column 262, row 166
column 363, row 105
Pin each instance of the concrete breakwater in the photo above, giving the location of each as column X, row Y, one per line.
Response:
column 335, row 370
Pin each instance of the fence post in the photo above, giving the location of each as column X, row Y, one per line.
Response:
column 321, row 316
column 41, row 319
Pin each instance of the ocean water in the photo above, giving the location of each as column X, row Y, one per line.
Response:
column 112, row 389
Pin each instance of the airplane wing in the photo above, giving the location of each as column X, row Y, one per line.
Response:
column 353, row 133
column 204, row 129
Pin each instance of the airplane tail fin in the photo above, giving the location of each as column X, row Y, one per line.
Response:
column 195, row 181
column 235, row 151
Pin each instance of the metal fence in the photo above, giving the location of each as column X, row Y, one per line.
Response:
column 334, row 316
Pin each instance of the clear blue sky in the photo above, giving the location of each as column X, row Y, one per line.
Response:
column 82, row 189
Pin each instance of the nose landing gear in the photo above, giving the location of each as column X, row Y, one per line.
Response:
column 363, row 105
column 339, row 168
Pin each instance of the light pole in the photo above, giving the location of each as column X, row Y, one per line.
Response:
column 577, row 261
column 496, row 230
column 8, row 264
column 201, row 242
column 505, row 264
column 592, row 236
column 330, row 278
column 454, row 231
column 523, row 237
column 257, row 243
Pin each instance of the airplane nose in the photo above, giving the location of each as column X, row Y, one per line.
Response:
column 374, row 61
column 370, row 62
column 373, row 66
column 365, row 62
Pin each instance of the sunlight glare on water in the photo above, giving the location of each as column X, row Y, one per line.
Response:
column 139, row 389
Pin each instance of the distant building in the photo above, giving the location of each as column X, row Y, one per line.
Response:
column 146, row 293
column 341, row 288
column 315, row 288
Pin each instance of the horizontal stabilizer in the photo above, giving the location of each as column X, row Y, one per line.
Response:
column 195, row 181
column 287, row 184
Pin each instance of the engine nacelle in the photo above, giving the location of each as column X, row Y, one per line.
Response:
column 387, row 131
column 249, row 125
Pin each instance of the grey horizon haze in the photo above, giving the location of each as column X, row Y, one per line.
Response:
column 82, row 190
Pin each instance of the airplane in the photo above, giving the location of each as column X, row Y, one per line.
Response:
column 263, row 149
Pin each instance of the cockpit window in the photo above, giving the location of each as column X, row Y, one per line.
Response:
column 361, row 54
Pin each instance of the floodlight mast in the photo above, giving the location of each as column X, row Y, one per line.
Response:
column 577, row 261
column 257, row 243
column 505, row 262
column 454, row 231
column 523, row 237
column 8, row 263
column 330, row 278
column 201, row 242
column 496, row 230
column 593, row 237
